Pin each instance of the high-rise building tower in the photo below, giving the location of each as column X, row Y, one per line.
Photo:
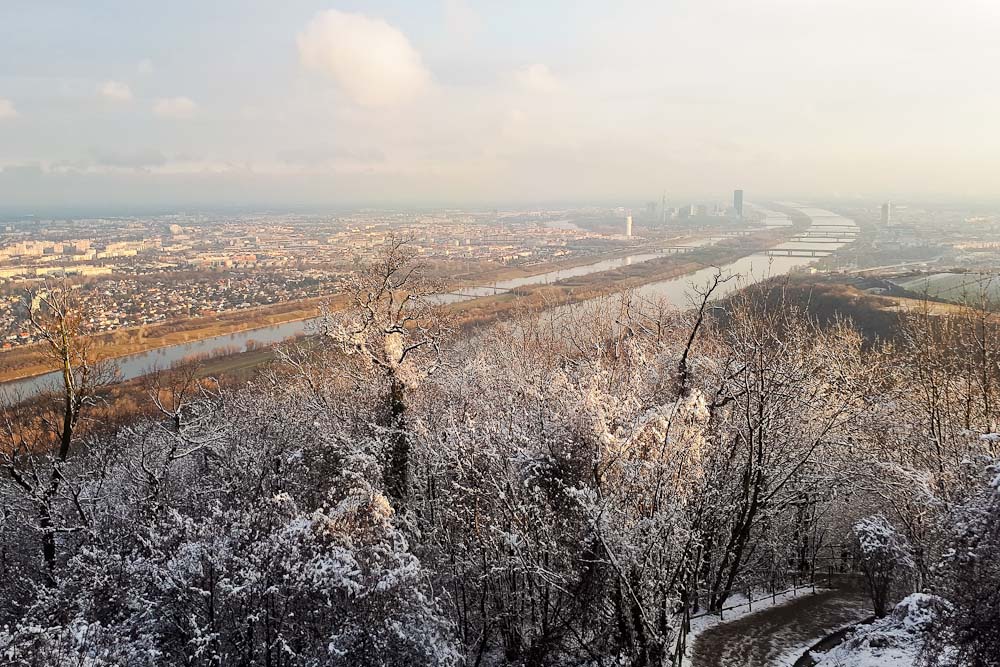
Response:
column 628, row 225
column 663, row 209
column 887, row 214
column 738, row 202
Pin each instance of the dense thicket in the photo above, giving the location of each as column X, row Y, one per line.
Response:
column 563, row 489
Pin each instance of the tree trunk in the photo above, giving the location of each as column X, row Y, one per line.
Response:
column 397, row 473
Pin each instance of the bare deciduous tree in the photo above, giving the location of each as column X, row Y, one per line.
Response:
column 39, row 443
column 394, row 329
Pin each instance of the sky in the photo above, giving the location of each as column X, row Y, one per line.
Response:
column 197, row 103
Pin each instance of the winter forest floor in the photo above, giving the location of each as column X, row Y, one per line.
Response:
column 778, row 635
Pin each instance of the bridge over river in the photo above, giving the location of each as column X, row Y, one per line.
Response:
column 798, row 252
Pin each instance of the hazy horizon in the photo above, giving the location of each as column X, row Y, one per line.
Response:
column 109, row 106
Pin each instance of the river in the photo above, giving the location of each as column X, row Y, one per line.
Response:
column 677, row 291
column 755, row 268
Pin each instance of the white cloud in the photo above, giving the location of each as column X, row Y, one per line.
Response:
column 7, row 109
column 537, row 78
column 116, row 91
column 372, row 62
column 174, row 107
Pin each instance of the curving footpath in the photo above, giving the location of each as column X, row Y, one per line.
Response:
column 767, row 638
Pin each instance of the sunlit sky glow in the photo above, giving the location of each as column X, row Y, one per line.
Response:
column 302, row 103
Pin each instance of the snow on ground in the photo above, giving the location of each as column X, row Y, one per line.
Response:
column 762, row 638
column 703, row 623
column 893, row 641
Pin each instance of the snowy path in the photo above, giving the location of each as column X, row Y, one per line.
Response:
column 777, row 636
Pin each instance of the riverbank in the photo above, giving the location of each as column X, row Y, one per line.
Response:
column 477, row 312
column 234, row 358
column 134, row 351
column 23, row 364
column 122, row 400
column 31, row 361
column 502, row 273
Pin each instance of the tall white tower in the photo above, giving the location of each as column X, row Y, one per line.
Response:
column 887, row 214
column 628, row 225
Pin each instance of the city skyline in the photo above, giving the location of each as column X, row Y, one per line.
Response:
column 316, row 104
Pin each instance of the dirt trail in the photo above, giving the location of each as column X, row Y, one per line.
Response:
column 759, row 639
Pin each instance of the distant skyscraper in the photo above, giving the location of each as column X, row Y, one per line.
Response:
column 738, row 202
column 663, row 209
column 887, row 214
column 628, row 225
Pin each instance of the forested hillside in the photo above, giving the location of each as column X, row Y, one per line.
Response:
column 565, row 488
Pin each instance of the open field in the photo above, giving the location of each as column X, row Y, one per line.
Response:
column 957, row 287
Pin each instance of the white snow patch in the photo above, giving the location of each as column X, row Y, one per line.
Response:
column 894, row 641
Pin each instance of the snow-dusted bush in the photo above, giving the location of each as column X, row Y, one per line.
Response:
column 970, row 579
column 227, row 555
column 885, row 556
column 892, row 641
